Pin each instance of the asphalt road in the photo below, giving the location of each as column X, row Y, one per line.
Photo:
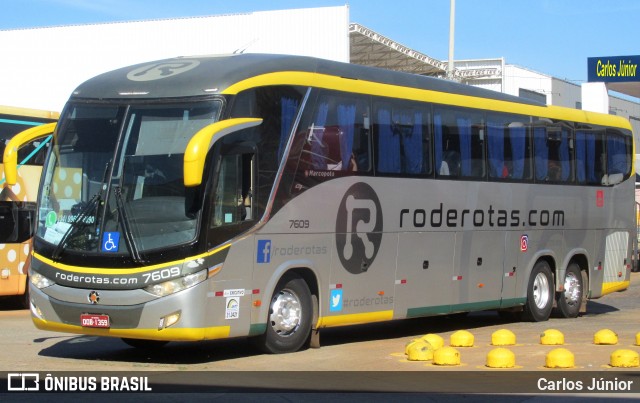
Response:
column 367, row 358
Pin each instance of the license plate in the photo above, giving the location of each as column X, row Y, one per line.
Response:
column 90, row 320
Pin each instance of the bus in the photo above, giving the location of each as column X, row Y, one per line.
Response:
column 18, row 202
column 272, row 196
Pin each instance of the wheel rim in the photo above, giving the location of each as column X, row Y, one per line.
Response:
column 541, row 291
column 572, row 289
column 286, row 313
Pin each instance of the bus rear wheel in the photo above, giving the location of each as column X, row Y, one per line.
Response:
column 290, row 314
column 568, row 301
column 540, row 292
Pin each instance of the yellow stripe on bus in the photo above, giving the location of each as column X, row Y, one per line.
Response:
column 354, row 319
column 99, row 270
column 394, row 91
column 170, row 334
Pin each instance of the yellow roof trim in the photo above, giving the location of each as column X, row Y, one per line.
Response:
column 416, row 94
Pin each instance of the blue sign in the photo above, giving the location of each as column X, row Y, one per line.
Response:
column 110, row 241
column 613, row 69
column 263, row 254
column 335, row 302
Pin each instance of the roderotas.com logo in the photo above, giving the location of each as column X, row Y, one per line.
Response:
column 358, row 228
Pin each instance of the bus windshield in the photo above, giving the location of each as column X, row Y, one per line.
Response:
column 114, row 181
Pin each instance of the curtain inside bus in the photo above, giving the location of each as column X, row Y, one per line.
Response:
column 397, row 137
column 541, row 152
column 464, row 131
column 289, row 108
column 617, row 161
column 346, row 121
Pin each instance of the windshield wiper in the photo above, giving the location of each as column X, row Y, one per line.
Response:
column 80, row 219
column 124, row 220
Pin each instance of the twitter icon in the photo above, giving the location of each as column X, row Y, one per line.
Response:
column 335, row 303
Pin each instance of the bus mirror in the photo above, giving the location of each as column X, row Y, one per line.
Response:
column 10, row 157
column 201, row 142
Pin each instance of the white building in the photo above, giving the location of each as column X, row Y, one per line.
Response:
column 42, row 66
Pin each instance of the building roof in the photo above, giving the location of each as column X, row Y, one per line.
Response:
column 370, row 48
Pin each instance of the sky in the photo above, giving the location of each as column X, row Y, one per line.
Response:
column 554, row 37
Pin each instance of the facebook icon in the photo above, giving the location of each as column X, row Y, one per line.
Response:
column 263, row 254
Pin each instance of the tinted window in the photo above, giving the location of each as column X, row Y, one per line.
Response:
column 508, row 147
column 589, row 157
column 403, row 138
column 459, row 143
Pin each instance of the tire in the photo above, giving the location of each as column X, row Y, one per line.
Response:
column 145, row 344
column 568, row 302
column 540, row 292
column 290, row 315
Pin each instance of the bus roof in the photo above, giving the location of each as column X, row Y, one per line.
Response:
column 229, row 74
column 202, row 75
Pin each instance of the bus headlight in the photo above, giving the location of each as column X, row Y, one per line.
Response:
column 39, row 280
column 176, row 285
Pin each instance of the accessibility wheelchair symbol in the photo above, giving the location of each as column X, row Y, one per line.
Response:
column 110, row 241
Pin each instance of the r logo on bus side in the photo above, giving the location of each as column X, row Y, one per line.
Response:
column 524, row 243
column 358, row 228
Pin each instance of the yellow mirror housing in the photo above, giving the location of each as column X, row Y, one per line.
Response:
column 201, row 142
column 10, row 157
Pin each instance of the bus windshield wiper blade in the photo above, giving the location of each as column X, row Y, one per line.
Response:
column 124, row 220
column 95, row 199
column 80, row 219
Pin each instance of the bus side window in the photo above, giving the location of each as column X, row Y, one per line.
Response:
column 446, row 160
column 589, row 155
column 508, row 147
column 553, row 154
column 402, row 138
column 338, row 138
column 233, row 196
column 617, row 154
column 459, row 143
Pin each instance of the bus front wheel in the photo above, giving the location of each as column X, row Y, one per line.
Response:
column 569, row 300
column 290, row 314
column 540, row 292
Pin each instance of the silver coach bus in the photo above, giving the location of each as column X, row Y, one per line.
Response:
column 273, row 196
